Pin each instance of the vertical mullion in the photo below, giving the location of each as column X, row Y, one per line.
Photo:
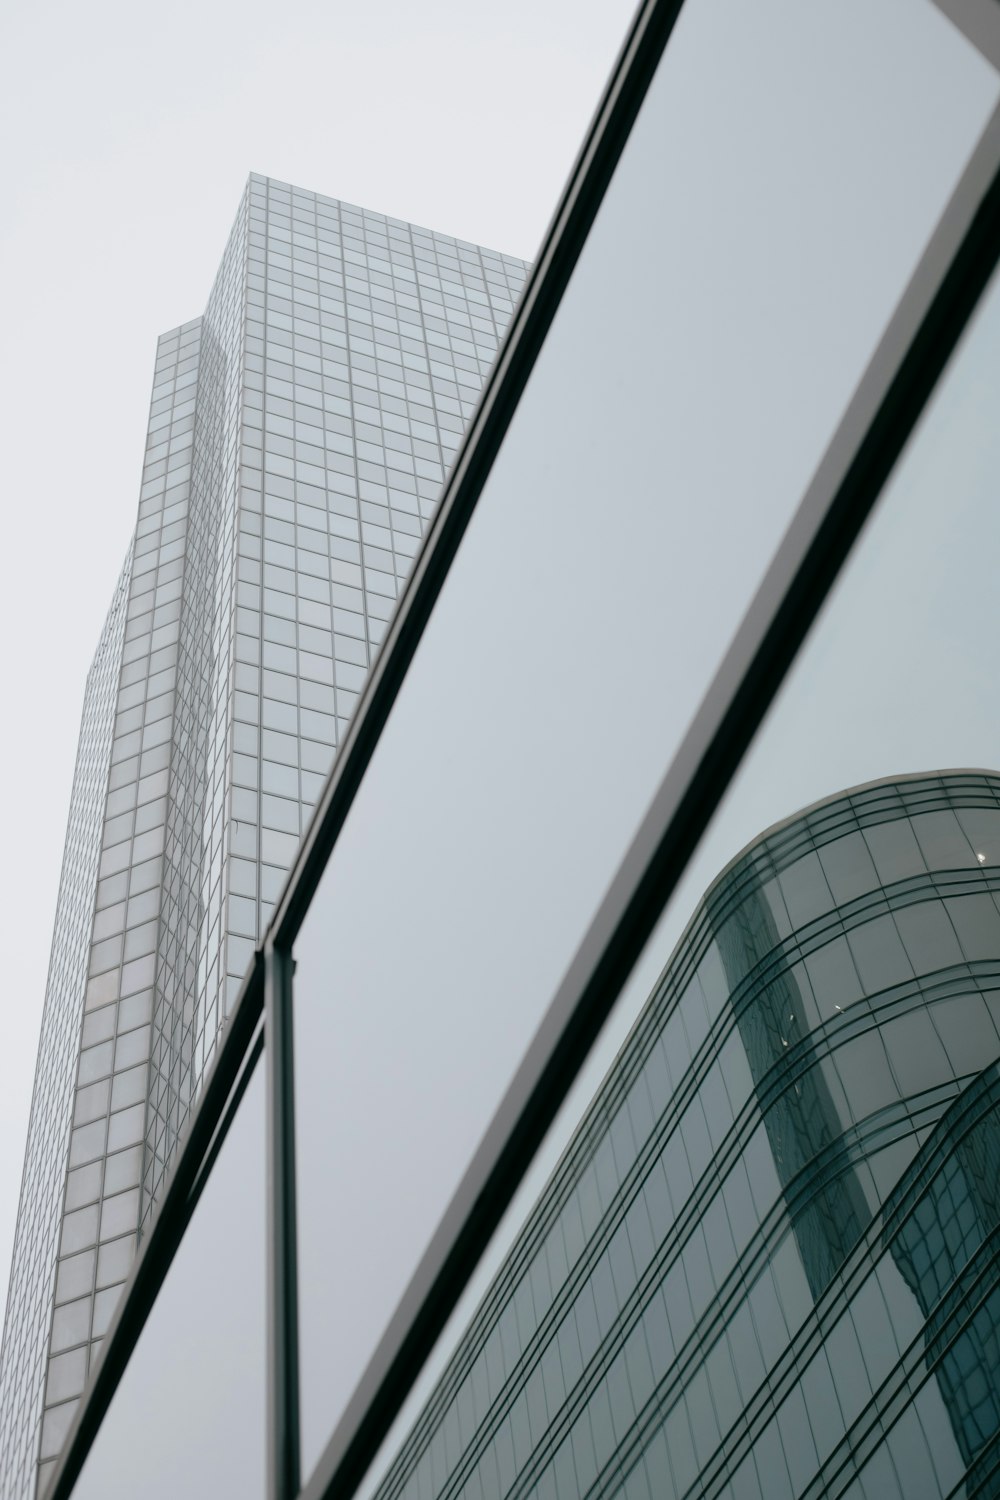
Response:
column 282, row 1294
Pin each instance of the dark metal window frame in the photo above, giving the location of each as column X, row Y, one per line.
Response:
column 889, row 399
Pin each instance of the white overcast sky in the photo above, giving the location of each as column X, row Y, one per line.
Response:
column 127, row 133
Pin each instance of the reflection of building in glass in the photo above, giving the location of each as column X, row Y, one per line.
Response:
column 947, row 1208
column 804, row 1127
column 298, row 436
column 780, row 1212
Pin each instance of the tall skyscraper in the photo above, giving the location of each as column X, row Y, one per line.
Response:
column 299, row 432
column 725, row 541
column 767, row 1261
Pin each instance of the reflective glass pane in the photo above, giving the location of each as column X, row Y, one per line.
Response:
column 189, row 1416
column 753, row 244
column 808, row 1303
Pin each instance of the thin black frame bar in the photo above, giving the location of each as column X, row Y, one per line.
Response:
column 888, row 402
column 282, row 1267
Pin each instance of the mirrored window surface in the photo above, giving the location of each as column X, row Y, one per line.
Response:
column 189, row 1416
column 756, row 237
column 766, row 1260
column 897, row 675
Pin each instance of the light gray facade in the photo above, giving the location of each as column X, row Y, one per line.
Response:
column 298, row 436
column 36, row 1243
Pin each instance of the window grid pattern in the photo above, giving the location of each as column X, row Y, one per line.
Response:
column 756, row 1270
column 299, row 434
column 188, row 963
column 104, row 1163
column 32, row 1281
column 367, row 343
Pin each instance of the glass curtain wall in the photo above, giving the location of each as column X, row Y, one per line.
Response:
column 682, row 401
column 760, row 1257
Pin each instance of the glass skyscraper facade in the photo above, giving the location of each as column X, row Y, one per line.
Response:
column 717, row 555
column 768, row 1262
column 299, row 433
column 29, row 1302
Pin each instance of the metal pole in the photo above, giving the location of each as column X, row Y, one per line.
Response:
column 282, row 1291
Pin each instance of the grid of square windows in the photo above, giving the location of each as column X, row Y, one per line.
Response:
column 103, row 1166
column 33, row 1280
column 368, row 340
column 190, row 941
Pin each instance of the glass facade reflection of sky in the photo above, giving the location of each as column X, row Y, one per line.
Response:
column 299, row 432
column 682, row 401
column 887, row 941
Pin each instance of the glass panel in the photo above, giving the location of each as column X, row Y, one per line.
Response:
column 663, row 1316
column 189, row 1416
column 755, row 239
